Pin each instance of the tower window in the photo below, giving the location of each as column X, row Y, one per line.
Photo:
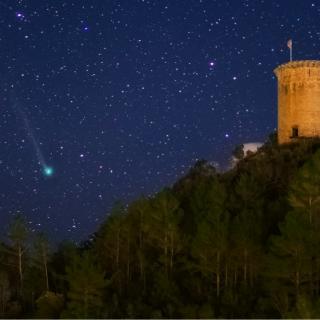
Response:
column 295, row 132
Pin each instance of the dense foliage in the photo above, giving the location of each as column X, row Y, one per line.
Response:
column 239, row 244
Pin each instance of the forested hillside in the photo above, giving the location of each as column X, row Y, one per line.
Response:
column 239, row 244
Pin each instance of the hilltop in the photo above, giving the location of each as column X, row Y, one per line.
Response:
column 238, row 244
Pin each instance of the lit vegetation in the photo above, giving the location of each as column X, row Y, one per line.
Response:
column 239, row 244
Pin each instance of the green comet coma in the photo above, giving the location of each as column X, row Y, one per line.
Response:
column 48, row 171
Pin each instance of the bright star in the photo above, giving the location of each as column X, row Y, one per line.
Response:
column 212, row 64
column 20, row 16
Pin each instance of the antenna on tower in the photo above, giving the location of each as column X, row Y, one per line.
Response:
column 289, row 44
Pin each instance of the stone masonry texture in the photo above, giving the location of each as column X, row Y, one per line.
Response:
column 298, row 100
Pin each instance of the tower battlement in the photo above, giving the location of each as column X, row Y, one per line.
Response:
column 298, row 100
column 298, row 64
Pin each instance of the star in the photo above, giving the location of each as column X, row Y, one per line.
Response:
column 211, row 64
column 20, row 16
column 120, row 104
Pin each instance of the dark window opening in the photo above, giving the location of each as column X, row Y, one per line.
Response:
column 295, row 132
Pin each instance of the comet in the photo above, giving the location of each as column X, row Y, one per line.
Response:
column 46, row 170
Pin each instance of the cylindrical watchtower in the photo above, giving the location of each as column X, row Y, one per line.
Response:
column 298, row 100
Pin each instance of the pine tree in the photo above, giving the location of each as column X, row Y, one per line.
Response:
column 18, row 234
column 86, row 284
column 5, row 292
column 291, row 259
column 304, row 197
column 305, row 191
column 210, row 243
column 111, row 244
column 138, row 221
column 246, row 229
column 164, row 218
column 41, row 258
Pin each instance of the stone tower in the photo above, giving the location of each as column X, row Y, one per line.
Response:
column 298, row 100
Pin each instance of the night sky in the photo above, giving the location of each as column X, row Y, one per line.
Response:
column 107, row 100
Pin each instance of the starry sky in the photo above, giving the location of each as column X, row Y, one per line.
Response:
column 108, row 100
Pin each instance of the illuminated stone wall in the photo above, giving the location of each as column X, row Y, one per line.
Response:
column 298, row 100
